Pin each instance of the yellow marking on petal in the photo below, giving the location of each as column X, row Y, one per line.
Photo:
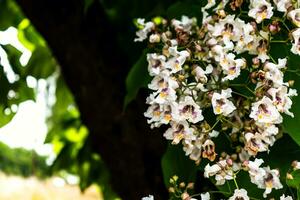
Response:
column 163, row 94
column 156, row 113
column 232, row 71
column 168, row 117
column 218, row 109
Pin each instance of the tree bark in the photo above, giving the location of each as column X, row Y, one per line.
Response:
column 95, row 68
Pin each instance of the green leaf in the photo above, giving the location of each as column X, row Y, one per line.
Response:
column 87, row 4
column 137, row 78
column 175, row 162
column 295, row 181
column 189, row 8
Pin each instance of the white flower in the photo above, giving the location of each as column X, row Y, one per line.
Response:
column 193, row 147
column 231, row 67
column 179, row 131
column 264, row 111
column 246, row 40
column 270, row 180
column 239, row 194
column 221, row 104
column 273, row 72
column 282, row 5
column 209, row 4
column 255, row 143
column 200, row 74
column 264, row 178
column 211, row 170
column 296, row 45
column 262, row 46
column 281, row 99
column 220, row 170
column 185, row 24
column 163, row 96
column 150, row 197
column 177, row 59
column 158, row 114
column 283, row 197
column 163, row 80
column 205, row 196
column 260, row 10
column 146, row 28
column 229, row 28
column 295, row 16
column 189, row 110
column 214, row 134
column 296, row 165
column 156, row 63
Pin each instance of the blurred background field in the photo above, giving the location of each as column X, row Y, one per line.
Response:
column 55, row 188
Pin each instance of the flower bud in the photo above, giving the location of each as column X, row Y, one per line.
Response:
column 171, row 190
column 190, row 186
column 291, row 83
column 154, row 38
column 274, row 27
column 182, row 185
column 289, row 176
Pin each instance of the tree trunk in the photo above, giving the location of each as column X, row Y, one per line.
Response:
column 94, row 68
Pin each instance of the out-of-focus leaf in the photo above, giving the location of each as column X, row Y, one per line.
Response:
column 137, row 78
column 174, row 162
column 294, row 182
column 87, row 4
column 42, row 64
column 189, row 8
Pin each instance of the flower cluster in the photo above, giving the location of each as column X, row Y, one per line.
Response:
column 221, row 79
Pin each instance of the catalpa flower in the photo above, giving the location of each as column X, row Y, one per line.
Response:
column 221, row 170
column 209, row 150
column 274, row 73
column 227, row 28
column 150, row 197
column 201, row 75
column 282, row 5
column 294, row 15
column 162, row 96
column 260, row 10
column 221, row 104
column 283, row 197
column 281, row 98
column 185, row 24
column 177, row 59
column 264, row 178
column 187, row 109
column 247, row 38
column 179, row 131
column 262, row 46
column 239, row 194
column 193, row 147
column 145, row 30
column 205, row 196
column 163, row 80
column 269, row 181
column 296, row 45
column 158, row 114
column 263, row 111
column 156, row 63
column 232, row 67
